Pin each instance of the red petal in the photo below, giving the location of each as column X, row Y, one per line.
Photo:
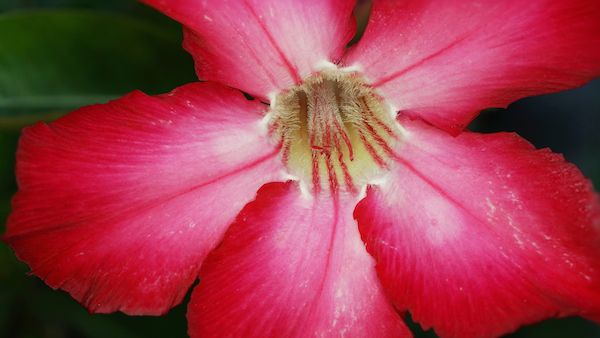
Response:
column 444, row 61
column 119, row 203
column 261, row 46
column 479, row 234
column 292, row 266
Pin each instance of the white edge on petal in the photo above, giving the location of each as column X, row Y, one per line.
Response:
column 325, row 65
column 353, row 69
column 263, row 124
column 382, row 180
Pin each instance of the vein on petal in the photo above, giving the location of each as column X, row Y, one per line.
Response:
column 151, row 204
column 437, row 188
column 424, row 60
column 289, row 66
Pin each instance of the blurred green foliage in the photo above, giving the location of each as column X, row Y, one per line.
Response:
column 86, row 56
column 57, row 55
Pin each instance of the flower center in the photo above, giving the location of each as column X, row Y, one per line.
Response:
column 336, row 132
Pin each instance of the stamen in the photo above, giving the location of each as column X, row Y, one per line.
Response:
column 333, row 127
column 379, row 123
column 380, row 141
column 380, row 162
column 316, row 177
column 346, row 139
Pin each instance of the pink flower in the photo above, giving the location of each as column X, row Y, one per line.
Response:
column 124, row 205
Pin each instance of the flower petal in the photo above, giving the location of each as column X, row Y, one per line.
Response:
column 261, row 46
column 479, row 234
column 444, row 61
column 292, row 266
column 120, row 203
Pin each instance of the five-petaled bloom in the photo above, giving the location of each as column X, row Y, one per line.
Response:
column 346, row 194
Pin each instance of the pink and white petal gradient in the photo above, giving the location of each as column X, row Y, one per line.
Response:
column 261, row 46
column 292, row 266
column 118, row 204
column 479, row 234
column 444, row 61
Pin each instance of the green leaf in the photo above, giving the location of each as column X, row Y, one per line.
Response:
column 56, row 61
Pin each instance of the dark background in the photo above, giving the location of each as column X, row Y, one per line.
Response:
column 56, row 55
